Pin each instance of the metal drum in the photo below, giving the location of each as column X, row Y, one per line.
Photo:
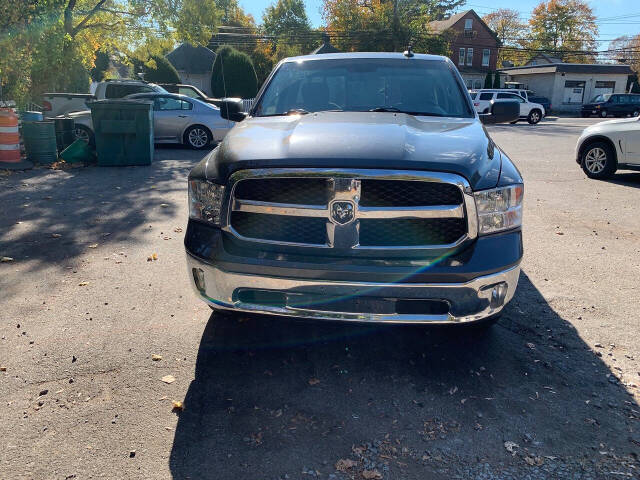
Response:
column 31, row 116
column 40, row 141
column 64, row 132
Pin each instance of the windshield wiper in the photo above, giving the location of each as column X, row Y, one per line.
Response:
column 292, row 111
column 397, row 110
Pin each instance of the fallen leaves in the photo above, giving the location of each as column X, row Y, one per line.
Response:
column 344, row 464
column 534, row 461
column 314, row 381
column 3, row 369
column 168, row 379
column 512, row 447
column 83, row 284
column 177, row 405
column 371, row 475
column 177, row 230
column 6, row 259
column 93, row 245
column 156, row 358
column 152, row 257
column 55, row 235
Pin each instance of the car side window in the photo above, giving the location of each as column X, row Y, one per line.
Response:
column 169, row 103
column 624, row 99
column 510, row 96
column 486, row 96
column 613, row 99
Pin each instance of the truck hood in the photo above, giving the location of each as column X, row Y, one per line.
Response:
column 359, row 140
column 608, row 125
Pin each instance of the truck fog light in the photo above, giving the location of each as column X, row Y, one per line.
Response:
column 198, row 278
column 498, row 294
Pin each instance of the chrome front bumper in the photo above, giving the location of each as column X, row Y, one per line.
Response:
column 475, row 300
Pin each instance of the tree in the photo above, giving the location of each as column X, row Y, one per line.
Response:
column 157, row 69
column 626, row 49
column 285, row 17
column 565, row 27
column 487, row 80
column 496, row 80
column 511, row 32
column 385, row 25
column 233, row 74
column 101, row 65
column 262, row 59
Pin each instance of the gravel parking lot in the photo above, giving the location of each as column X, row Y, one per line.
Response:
column 86, row 309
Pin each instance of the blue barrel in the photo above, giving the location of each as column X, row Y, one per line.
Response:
column 31, row 116
column 40, row 142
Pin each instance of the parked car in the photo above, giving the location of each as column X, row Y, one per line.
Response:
column 618, row 105
column 529, row 111
column 608, row 146
column 56, row 104
column 176, row 119
column 190, row 91
column 544, row 101
column 359, row 187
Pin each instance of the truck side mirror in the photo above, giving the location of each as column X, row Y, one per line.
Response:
column 231, row 109
column 501, row 112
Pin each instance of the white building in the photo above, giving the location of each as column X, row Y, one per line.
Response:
column 569, row 85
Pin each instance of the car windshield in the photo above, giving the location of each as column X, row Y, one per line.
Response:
column 600, row 98
column 416, row 86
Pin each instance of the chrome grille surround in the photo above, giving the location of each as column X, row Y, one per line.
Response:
column 345, row 187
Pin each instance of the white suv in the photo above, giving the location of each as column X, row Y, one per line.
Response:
column 531, row 112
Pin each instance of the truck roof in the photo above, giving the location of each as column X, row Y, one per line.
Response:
column 353, row 55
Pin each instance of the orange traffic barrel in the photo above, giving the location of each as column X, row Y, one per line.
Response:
column 9, row 137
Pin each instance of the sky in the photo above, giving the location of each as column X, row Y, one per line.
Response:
column 627, row 23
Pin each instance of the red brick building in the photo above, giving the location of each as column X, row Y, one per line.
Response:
column 474, row 47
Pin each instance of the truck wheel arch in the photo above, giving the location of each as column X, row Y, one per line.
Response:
column 595, row 139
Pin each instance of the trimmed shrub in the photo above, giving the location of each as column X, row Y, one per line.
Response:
column 496, row 80
column 239, row 79
column 487, row 81
column 158, row 70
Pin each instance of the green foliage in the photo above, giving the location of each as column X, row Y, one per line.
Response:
column 285, row 16
column 233, row 74
column 488, row 82
column 496, row 80
column 99, row 71
column 197, row 32
column 157, row 69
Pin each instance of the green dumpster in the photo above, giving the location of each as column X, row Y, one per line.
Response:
column 123, row 131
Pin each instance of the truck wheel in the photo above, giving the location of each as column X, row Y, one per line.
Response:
column 84, row 133
column 604, row 114
column 534, row 116
column 197, row 137
column 635, row 113
column 598, row 161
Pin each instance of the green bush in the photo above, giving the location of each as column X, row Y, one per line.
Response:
column 496, row 80
column 239, row 78
column 158, row 70
column 487, row 81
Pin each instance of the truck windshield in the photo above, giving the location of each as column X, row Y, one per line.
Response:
column 415, row 86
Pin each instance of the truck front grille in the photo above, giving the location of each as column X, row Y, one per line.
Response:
column 351, row 209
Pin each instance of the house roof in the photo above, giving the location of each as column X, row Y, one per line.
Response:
column 601, row 68
column 326, row 46
column 192, row 59
column 548, row 58
column 439, row 26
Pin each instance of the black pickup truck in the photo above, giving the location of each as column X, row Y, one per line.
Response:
column 360, row 187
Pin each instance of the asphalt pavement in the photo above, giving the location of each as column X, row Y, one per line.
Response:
column 101, row 334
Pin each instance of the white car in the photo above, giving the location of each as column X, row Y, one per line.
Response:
column 608, row 146
column 529, row 111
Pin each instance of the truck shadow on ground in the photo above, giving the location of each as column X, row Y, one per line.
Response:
column 274, row 397
column 51, row 217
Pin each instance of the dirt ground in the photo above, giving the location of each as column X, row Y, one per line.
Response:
column 551, row 392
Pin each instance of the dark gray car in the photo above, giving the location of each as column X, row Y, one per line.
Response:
column 360, row 187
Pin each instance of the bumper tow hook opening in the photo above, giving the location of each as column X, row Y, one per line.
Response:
column 198, row 278
column 498, row 294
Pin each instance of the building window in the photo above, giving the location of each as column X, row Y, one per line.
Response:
column 461, row 57
column 486, row 55
column 469, row 56
column 468, row 24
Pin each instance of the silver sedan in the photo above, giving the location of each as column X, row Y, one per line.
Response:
column 176, row 119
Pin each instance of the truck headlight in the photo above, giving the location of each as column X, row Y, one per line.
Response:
column 205, row 201
column 499, row 208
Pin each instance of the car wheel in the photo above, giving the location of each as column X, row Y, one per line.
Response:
column 598, row 160
column 84, row 133
column 197, row 137
column 534, row 116
column 604, row 114
column 635, row 113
